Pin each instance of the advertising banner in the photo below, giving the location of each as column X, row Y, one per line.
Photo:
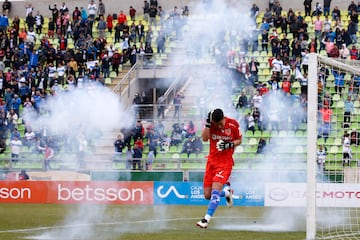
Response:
column 192, row 193
column 327, row 195
column 66, row 192
column 23, row 192
column 114, row 192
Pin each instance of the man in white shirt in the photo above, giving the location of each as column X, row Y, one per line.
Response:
column 29, row 138
column 52, row 73
column 346, row 150
column 92, row 9
column 321, row 155
column 277, row 65
column 16, row 145
column 61, row 72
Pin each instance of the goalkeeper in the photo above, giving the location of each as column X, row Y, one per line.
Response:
column 224, row 135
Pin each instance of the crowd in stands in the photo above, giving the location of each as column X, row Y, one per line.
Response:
column 74, row 48
column 132, row 143
column 41, row 56
column 283, row 40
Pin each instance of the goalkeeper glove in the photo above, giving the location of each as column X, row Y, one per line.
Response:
column 222, row 145
column 208, row 120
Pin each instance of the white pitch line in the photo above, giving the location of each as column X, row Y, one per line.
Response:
column 104, row 224
column 93, row 224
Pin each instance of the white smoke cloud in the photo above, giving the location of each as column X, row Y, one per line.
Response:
column 80, row 110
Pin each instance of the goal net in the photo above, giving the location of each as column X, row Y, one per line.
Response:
column 333, row 190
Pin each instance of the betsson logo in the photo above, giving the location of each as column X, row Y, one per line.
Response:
column 99, row 194
column 15, row 193
column 172, row 188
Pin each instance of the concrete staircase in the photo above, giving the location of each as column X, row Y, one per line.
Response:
column 101, row 154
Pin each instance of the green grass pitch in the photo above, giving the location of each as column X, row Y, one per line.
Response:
column 114, row 222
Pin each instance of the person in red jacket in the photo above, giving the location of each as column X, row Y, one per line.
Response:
column 132, row 12
column 122, row 18
column 286, row 85
column 109, row 23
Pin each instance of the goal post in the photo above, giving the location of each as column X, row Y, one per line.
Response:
column 333, row 119
column 311, row 147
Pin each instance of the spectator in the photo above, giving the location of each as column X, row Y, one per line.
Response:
column 161, row 107
column 325, row 126
column 101, row 9
column 261, row 145
column 150, row 160
column 339, row 81
column 190, row 129
column 327, row 4
column 336, row 14
column 348, row 111
column 140, row 31
column 177, row 103
column 176, row 137
column 101, row 27
column 132, row 13
column 250, row 122
column 137, row 157
column 29, row 138
column 138, row 130
column 187, row 147
column 344, row 52
column 346, row 150
column 139, row 143
column 6, row 6
column 109, row 23
column 161, row 43
column 12, row 119
column 152, row 15
column 92, row 9
column 137, row 101
column 146, row 9
column 355, row 137
column 15, row 145
column 351, row 31
column 320, row 160
column 318, row 27
column 253, row 68
column 23, row 176
column 28, row 9
column 242, row 101
column 119, row 145
column 105, row 66
column 307, row 6
column 129, row 157
column 82, row 149
column 153, row 139
column 116, row 60
column 317, row 10
column 48, row 156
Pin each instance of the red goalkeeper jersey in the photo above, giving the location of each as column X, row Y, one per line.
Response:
column 230, row 132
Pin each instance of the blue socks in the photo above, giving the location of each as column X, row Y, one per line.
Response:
column 214, row 201
column 222, row 193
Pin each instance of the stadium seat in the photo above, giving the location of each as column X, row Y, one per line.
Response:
column 253, row 141
column 334, row 149
column 107, row 80
column 239, row 149
column 113, row 74
column 336, row 97
column 249, row 133
column 257, row 134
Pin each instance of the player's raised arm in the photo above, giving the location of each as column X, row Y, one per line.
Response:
column 206, row 131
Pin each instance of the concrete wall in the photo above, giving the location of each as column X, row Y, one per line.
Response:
column 18, row 6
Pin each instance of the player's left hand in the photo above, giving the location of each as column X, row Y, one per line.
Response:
column 222, row 145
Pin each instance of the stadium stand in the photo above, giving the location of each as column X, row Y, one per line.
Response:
column 282, row 43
